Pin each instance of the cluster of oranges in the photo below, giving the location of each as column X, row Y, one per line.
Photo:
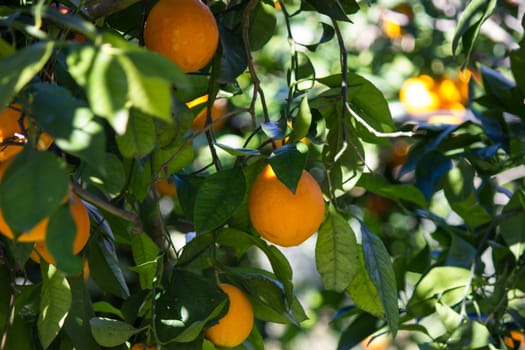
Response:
column 424, row 95
column 13, row 127
column 279, row 215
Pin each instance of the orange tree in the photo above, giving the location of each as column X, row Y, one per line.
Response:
column 418, row 226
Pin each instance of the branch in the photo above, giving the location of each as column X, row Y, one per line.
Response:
column 374, row 131
column 257, row 89
column 103, row 8
column 126, row 215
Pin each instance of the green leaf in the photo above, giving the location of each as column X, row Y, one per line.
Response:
column 377, row 184
column 239, row 152
column 108, row 332
column 358, row 330
column 186, row 305
column 233, row 59
column 469, row 25
column 32, row 188
column 280, row 265
column 513, row 228
column 60, row 235
column 381, row 272
column 302, row 122
column 517, row 65
column 17, row 69
column 288, row 163
column 104, row 267
column 444, row 283
column 336, row 252
column 460, row 193
column 139, row 138
column 304, row 72
column 108, row 309
column 55, row 302
column 143, row 248
column 71, row 123
column 165, row 156
column 333, row 9
column 79, row 315
column 462, row 333
column 107, row 89
column 218, row 197
column 262, row 25
column 108, row 175
column 363, row 291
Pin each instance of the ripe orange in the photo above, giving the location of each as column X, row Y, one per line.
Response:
column 417, row 95
column 217, row 110
column 166, row 188
column 237, row 324
column 282, row 217
column 142, row 346
column 516, row 338
column 11, row 131
column 380, row 342
column 185, row 31
column 81, row 219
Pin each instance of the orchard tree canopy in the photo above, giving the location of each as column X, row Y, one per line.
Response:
column 260, row 174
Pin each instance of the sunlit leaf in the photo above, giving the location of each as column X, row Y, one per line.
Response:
column 55, row 301
column 108, row 332
column 336, row 252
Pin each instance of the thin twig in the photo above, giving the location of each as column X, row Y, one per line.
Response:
column 257, row 89
column 190, row 139
column 126, row 215
column 374, row 131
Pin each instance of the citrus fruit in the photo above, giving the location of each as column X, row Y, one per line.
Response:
column 185, row 31
column 516, row 338
column 81, row 218
column 280, row 216
column 142, row 346
column 166, row 188
column 417, row 95
column 217, row 110
column 11, row 132
column 379, row 342
column 236, row 325
column 449, row 93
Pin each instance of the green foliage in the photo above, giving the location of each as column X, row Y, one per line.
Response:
column 424, row 231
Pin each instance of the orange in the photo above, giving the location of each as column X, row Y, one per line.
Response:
column 417, row 95
column 380, row 342
column 237, row 324
column 217, row 111
column 450, row 119
column 516, row 338
column 185, row 31
column 12, row 132
column 280, row 216
column 81, row 219
column 142, row 346
column 449, row 93
column 394, row 20
column 166, row 188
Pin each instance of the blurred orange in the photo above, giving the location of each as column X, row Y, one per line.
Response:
column 417, row 95
column 218, row 109
column 395, row 19
column 379, row 342
column 452, row 119
column 166, row 188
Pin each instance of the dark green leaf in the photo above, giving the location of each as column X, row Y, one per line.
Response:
column 233, row 58
column 288, row 163
column 461, row 195
column 469, row 25
column 430, row 169
column 445, row 283
column 17, row 69
column 331, row 8
column 108, row 175
column 55, row 301
column 381, row 272
column 302, row 122
column 218, row 197
column 363, row 291
column 239, row 152
column 108, row 332
column 377, row 184
column 262, row 25
column 336, row 252
column 79, row 315
column 70, row 122
column 105, row 269
column 513, row 228
column 139, row 138
column 304, row 72
column 32, row 188
column 517, row 64
column 357, row 331
column 328, row 34
column 60, row 235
